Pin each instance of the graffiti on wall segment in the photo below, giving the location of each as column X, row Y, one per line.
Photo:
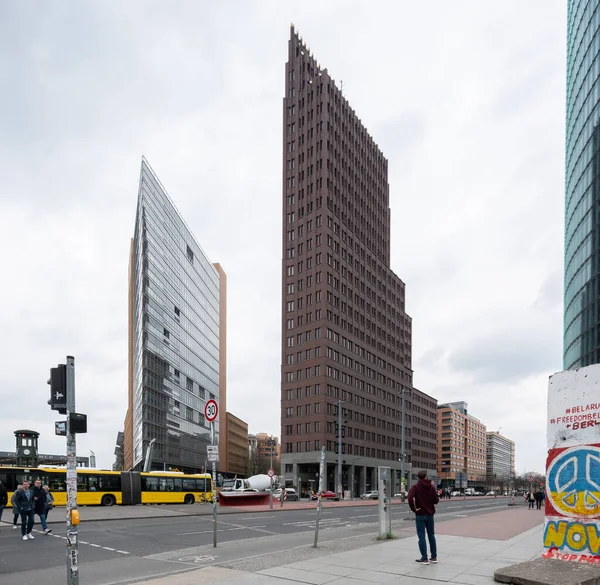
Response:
column 572, row 523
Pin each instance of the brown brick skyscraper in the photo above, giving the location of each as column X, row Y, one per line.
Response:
column 345, row 333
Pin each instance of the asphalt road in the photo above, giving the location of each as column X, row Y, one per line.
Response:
column 118, row 551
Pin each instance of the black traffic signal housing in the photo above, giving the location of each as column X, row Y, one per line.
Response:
column 58, row 388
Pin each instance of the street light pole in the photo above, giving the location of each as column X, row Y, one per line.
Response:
column 339, row 483
column 271, row 478
column 402, row 478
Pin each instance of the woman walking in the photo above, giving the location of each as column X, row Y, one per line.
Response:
column 49, row 500
column 531, row 500
column 15, row 507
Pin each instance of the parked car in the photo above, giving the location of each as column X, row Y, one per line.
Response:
column 326, row 495
column 291, row 495
column 491, row 494
column 455, row 494
column 372, row 495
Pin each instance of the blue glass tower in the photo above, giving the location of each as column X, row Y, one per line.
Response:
column 175, row 337
column 582, row 187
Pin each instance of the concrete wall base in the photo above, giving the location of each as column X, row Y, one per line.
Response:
column 549, row 572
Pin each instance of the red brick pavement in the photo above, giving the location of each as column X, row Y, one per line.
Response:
column 494, row 526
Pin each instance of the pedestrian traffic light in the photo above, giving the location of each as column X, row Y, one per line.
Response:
column 58, row 389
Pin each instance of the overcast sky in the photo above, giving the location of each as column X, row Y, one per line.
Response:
column 465, row 99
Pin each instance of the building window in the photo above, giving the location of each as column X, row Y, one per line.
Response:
column 166, row 333
column 190, row 385
column 190, row 255
column 189, row 414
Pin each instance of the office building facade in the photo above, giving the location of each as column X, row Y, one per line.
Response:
column 176, row 344
column 500, row 459
column 237, row 445
column 346, row 337
column 582, row 187
column 264, row 451
column 462, row 459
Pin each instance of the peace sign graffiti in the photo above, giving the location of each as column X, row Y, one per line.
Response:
column 574, row 481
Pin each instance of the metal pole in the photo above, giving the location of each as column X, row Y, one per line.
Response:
column 322, row 472
column 214, row 489
column 72, row 541
column 271, row 478
column 403, row 455
column 339, row 482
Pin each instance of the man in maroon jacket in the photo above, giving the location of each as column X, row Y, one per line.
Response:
column 422, row 499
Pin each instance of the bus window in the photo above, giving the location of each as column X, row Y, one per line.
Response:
column 151, row 484
column 110, row 483
column 165, row 484
column 177, row 484
column 93, row 483
column 189, row 484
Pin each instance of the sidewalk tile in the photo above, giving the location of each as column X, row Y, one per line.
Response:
column 336, row 570
column 394, row 581
column 435, row 572
column 486, row 567
column 311, row 577
column 465, row 579
column 514, row 554
column 373, row 576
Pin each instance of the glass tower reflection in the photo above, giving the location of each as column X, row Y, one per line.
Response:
column 175, row 334
column 582, row 205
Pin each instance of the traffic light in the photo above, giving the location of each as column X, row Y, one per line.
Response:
column 58, row 389
column 337, row 430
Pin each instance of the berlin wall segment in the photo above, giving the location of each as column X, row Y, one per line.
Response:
column 572, row 522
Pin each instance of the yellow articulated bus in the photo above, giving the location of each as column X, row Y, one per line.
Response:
column 96, row 487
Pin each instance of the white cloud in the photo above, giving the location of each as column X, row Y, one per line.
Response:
column 465, row 100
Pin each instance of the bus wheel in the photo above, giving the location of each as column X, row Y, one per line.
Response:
column 189, row 499
column 108, row 500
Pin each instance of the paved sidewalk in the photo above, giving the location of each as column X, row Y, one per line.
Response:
column 462, row 560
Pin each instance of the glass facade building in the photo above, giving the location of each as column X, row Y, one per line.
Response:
column 582, row 187
column 174, row 329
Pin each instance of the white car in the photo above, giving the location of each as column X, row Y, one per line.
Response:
column 372, row 495
column 455, row 494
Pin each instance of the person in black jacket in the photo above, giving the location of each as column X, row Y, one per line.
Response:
column 25, row 504
column 422, row 499
column 39, row 504
column 3, row 499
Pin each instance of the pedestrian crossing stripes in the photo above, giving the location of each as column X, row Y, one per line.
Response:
column 122, row 552
column 311, row 522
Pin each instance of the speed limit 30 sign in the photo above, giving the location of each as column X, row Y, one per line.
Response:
column 211, row 410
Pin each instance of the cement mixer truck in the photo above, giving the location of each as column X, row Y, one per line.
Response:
column 256, row 483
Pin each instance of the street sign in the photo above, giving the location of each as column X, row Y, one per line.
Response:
column 211, row 410
column 60, row 428
column 212, row 452
column 271, row 473
column 531, row 478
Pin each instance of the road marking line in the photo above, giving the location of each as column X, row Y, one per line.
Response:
column 108, row 548
column 363, row 516
column 123, row 552
column 96, row 545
